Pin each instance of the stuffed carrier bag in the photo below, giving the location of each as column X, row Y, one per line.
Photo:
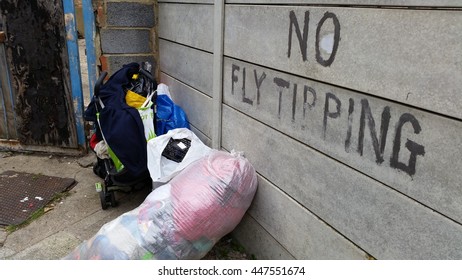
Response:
column 170, row 153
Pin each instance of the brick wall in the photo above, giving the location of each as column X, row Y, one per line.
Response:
column 126, row 32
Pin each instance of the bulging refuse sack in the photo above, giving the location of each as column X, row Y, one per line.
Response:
column 182, row 219
column 169, row 115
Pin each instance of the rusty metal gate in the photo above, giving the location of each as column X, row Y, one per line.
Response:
column 38, row 105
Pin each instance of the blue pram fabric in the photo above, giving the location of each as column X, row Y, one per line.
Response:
column 121, row 124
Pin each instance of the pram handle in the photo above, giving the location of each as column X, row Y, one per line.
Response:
column 99, row 82
column 147, row 74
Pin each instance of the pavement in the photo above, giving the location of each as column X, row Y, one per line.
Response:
column 72, row 220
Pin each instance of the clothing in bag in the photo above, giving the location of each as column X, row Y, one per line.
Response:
column 182, row 219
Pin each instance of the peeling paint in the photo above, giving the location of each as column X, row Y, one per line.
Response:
column 69, row 20
column 37, row 57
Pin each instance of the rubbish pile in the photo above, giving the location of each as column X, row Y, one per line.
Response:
column 199, row 194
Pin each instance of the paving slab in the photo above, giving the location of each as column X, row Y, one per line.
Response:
column 70, row 220
column 3, row 235
column 53, row 247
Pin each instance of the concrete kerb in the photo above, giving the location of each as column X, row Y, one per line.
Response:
column 72, row 220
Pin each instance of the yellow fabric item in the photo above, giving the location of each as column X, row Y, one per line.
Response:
column 133, row 99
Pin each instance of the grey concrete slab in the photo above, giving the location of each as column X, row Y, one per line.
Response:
column 197, row 105
column 6, row 253
column 84, row 229
column 259, row 242
column 126, row 41
column 191, row 66
column 53, row 247
column 381, row 221
column 204, row 138
column 115, row 62
column 300, row 232
column 3, row 235
column 401, row 3
column 130, row 14
column 188, row 1
column 369, row 134
column 190, row 25
column 391, row 53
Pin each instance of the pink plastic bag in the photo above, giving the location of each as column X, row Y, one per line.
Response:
column 211, row 197
column 182, row 219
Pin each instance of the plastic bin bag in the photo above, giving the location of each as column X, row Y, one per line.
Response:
column 169, row 115
column 160, row 167
column 182, row 219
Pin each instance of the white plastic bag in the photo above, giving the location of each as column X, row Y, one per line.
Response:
column 163, row 169
column 147, row 116
column 162, row 89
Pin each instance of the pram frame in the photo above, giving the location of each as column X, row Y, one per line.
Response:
column 111, row 184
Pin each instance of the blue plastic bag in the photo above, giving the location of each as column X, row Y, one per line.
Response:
column 169, row 115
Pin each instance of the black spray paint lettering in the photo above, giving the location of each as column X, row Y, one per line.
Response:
column 234, row 78
column 303, row 37
column 307, row 89
column 281, row 83
column 366, row 114
column 328, row 113
column 413, row 147
column 294, row 102
column 333, row 110
column 258, row 83
column 351, row 109
column 378, row 145
column 319, row 59
column 302, row 40
column 244, row 98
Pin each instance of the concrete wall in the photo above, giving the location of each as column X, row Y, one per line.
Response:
column 127, row 31
column 349, row 110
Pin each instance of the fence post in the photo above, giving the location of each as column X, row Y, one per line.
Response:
column 219, row 14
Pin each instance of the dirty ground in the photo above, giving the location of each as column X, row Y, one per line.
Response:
column 75, row 217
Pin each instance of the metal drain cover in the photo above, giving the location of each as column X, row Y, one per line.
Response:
column 21, row 194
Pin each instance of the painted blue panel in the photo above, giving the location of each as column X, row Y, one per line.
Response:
column 3, row 108
column 90, row 31
column 6, row 90
column 74, row 69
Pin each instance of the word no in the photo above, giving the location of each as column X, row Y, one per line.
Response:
column 303, row 37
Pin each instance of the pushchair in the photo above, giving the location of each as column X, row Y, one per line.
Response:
column 118, row 137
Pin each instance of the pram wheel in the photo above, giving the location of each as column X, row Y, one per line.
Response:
column 107, row 199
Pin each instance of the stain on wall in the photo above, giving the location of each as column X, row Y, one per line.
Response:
column 36, row 50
